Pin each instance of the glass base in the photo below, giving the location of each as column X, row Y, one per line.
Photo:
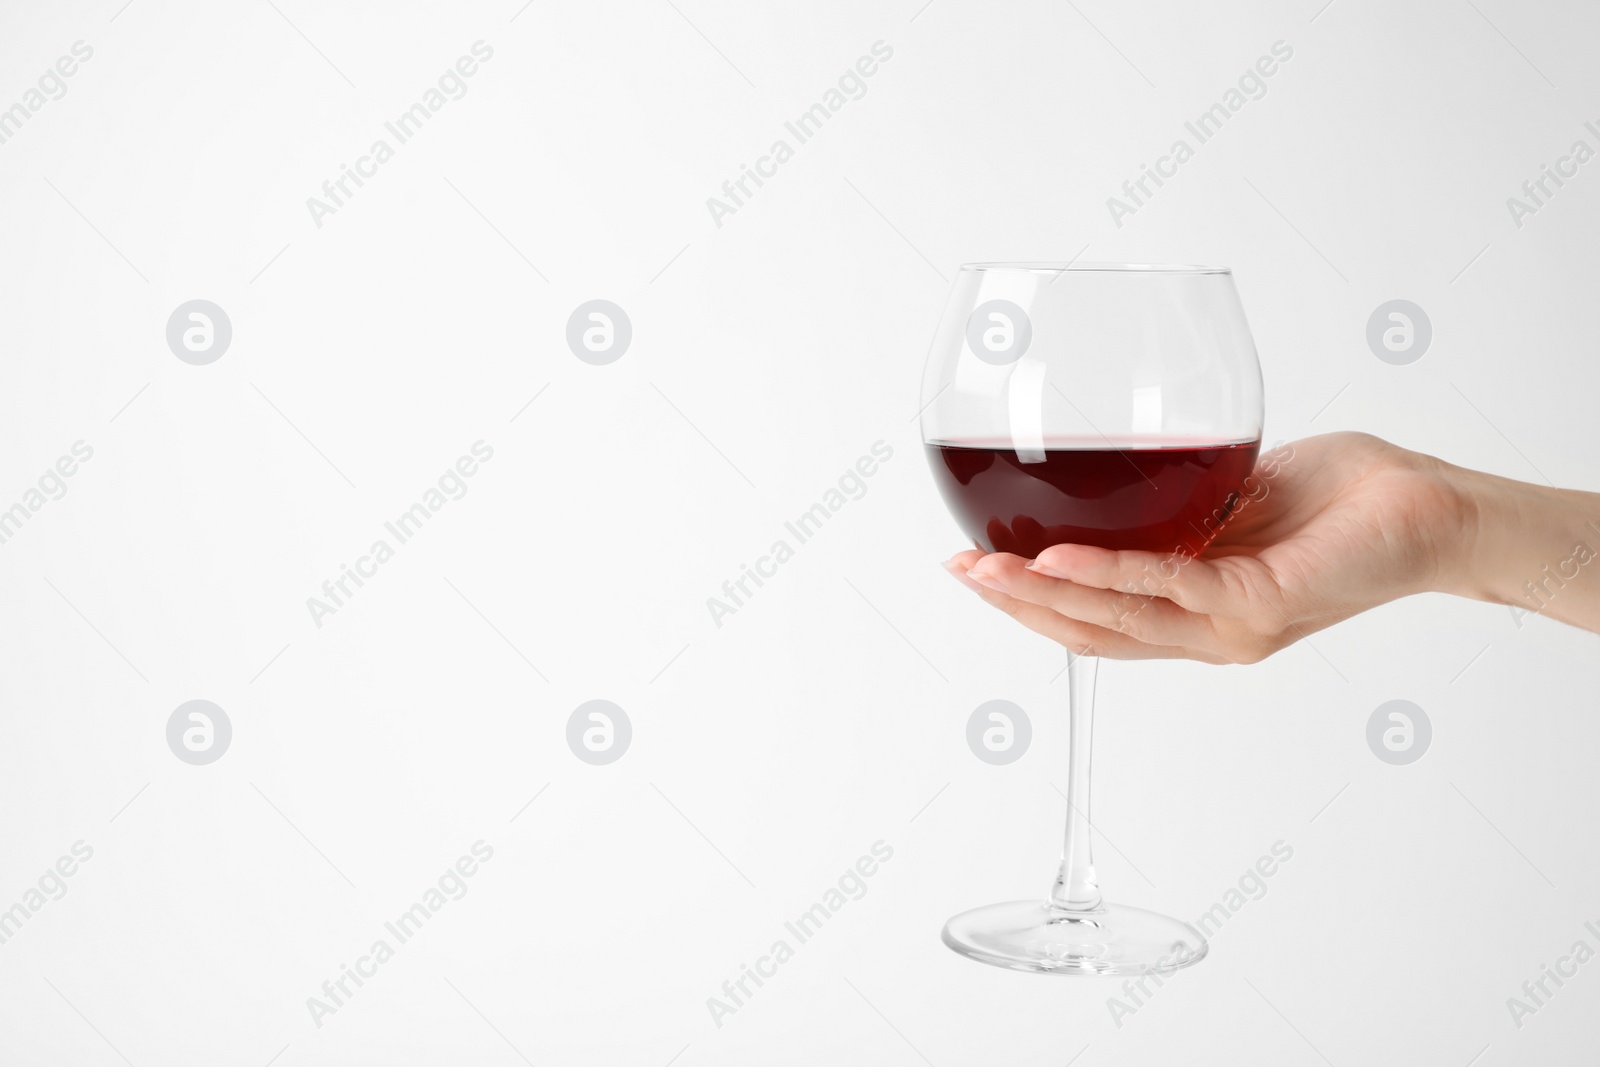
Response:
column 1027, row 935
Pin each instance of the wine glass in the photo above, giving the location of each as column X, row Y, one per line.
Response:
column 1114, row 405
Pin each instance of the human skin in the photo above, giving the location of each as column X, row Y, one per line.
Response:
column 1346, row 521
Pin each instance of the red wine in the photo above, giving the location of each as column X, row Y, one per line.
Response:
column 1166, row 497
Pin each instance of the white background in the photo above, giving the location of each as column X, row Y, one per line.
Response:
column 369, row 353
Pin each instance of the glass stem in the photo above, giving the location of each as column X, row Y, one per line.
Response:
column 1076, row 888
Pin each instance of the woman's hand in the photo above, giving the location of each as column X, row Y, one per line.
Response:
column 1337, row 524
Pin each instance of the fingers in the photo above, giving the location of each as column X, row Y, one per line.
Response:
column 1082, row 638
column 1077, row 635
column 1149, row 620
column 959, row 564
column 1190, row 583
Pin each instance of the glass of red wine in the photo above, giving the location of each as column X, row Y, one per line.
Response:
column 1117, row 406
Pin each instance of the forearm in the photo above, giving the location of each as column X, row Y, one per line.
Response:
column 1531, row 547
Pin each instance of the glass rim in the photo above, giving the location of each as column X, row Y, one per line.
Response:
column 1072, row 266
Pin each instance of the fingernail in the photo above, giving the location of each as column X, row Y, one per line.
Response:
column 954, row 570
column 1045, row 569
column 988, row 580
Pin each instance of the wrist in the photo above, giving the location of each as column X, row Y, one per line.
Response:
column 1472, row 558
column 1439, row 531
column 1518, row 544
